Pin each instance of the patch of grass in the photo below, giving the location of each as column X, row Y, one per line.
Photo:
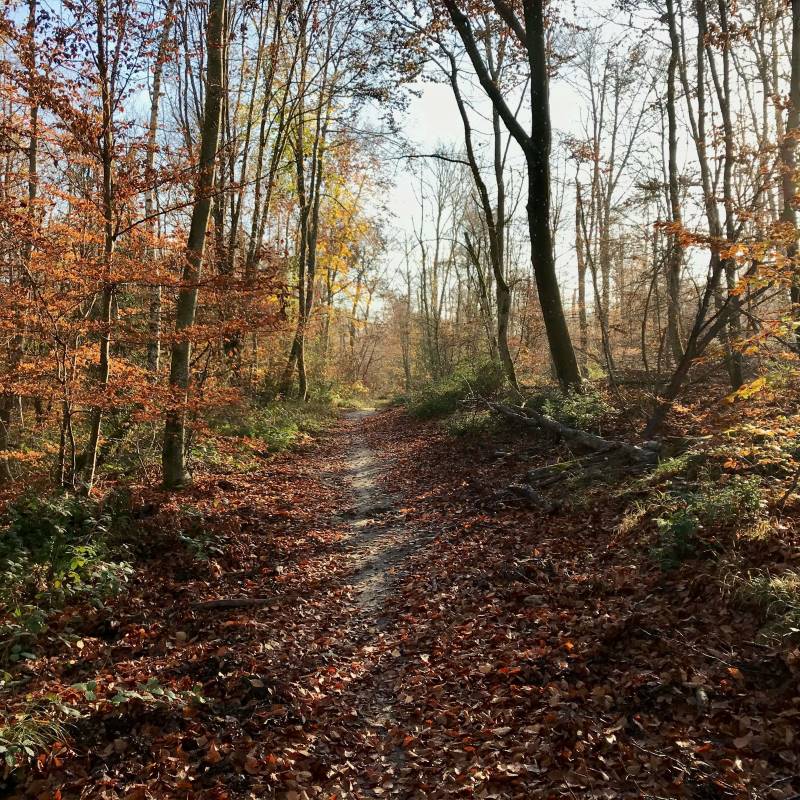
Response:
column 444, row 397
column 684, row 514
column 777, row 597
column 631, row 518
column 471, row 424
column 279, row 426
column 759, row 531
column 34, row 729
column 668, row 468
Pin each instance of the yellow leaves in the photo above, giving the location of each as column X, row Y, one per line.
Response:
column 748, row 390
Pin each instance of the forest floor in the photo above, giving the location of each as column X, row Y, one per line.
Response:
column 375, row 616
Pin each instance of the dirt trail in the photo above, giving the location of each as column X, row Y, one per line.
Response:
column 406, row 632
column 378, row 549
column 380, row 541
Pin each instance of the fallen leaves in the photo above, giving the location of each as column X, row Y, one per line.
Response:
column 516, row 657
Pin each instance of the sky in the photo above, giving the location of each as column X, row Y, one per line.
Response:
column 432, row 121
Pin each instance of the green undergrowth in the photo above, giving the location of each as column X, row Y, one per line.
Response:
column 243, row 434
column 691, row 508
column 685, row 512
column 450, row 399
column 587, row 410
column 37, row 725
column 55, row 550
column 334, row 394
column 35, row 728
column 776, row 596
column 445, row 396
column 472, row 423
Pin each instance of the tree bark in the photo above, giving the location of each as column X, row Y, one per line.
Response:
column 154, row 309
column 536, row 147
column 788, row 156
column 107, row 291
column 583, row 322
column 537, row 157
column 174, row 449
column 675, row 260
column 9, row 399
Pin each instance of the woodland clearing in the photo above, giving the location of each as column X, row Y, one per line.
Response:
column 553, row 248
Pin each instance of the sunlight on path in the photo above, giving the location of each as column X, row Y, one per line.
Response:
column 380, row 542
column 378, row 547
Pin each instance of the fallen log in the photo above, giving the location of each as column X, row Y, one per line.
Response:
column 611, row 448
column 234, row 602
column 535, row 498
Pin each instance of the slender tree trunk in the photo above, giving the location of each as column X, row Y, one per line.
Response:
column 154, row 309
column 788, row 154
column 107, row 291
column 537, row 157
column 583, row 321
column 294, row 352
column 9, row 399
column 675, row 260
column 174, row 451
column 494, row 219
column 733, row 358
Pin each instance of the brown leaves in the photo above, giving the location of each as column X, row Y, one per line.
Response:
column 518, row 657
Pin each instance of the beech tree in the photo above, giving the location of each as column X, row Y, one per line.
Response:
column 174, row 452
column 535, row 143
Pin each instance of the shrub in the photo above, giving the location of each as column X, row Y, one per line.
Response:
column 676, row 538
column 444, row 397
column 738, row 500
column 52, row 549
column 278, row 425
column 468, row 424
column 584, row 410
column 685, row 513
column 337, row 394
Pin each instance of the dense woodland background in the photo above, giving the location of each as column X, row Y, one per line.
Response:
column 193, row 210
column 200, row 266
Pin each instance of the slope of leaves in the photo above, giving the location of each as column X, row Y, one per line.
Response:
column 552, row 655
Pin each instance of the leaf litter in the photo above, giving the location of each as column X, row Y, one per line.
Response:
column 413, row 637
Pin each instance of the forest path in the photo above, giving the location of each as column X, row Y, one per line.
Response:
column 368, row 617
column 380, row 542
column 378, row 546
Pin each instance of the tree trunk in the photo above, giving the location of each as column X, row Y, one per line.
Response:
column 675, row 260
column 154, row 310
column 8, row 400
column 174, row 453
column 788, row 150
column 583, row 321
column 107, row 292
column 537, row 157
column 536, row 148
